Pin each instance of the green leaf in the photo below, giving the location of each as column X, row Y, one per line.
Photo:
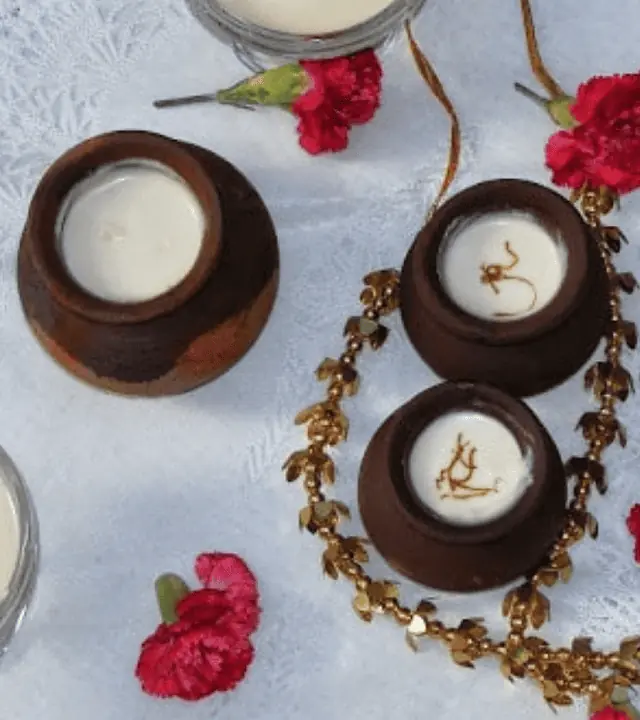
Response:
column 170, row 589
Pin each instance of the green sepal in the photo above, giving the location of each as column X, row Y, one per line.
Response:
column 621, row 702
column 278, row 87
column 170, row 589
column 560, row 110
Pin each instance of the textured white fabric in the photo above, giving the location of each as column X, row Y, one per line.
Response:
column 127, row 489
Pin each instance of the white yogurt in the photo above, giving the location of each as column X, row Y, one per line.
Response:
column 306, row 17
column 502, row 266
column 468, row 468
column 9, row 540
column 130, row 233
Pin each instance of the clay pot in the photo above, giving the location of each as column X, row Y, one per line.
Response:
column 183, row 338
column 525, row 356
column 423, row 547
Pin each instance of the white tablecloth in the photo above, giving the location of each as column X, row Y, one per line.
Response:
column 126, row 489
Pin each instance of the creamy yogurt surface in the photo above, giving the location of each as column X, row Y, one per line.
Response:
column 130, row 233
column 9, row 539
column 468, row 468
column 502, row 266
column 306, row 17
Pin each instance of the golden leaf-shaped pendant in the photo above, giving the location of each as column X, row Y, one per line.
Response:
column 368, row 330
column 539, row 610
column 509, row 602
column 362, row 606
column 592, row 526
column 462, row 659
column 629, row 331
column 579, row 467
column 562, row 563
column 473, row 628
column 310, row 413
column 629, row 647
column 326, row 368
column 355, row 548
column 295, row 465
column 417, row 626
column 426, row 609
column 330, row 567
column 548, row 576
column 582, row 645
column 614, row 237
column 382, row 590
column 627, row 282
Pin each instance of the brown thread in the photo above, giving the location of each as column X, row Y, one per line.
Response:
column 459, row 488
column 498, row 272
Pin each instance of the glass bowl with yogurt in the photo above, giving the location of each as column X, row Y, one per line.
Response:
column 259, row 30
column 19, row 549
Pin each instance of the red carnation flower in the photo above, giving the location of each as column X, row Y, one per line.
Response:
column 343, row 92
column 633, row 521
column 203, row 646
column 633, row 524
column 603, row 150
column 610, row 713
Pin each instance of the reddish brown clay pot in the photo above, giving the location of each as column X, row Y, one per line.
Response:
column 183, row 338
column 419, row 545
column 525, row 356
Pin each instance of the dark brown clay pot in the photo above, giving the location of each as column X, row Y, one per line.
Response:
column 418, row 544
column 525, row 356
column 183, row 338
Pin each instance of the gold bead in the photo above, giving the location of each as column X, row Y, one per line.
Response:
column 598, row 661
column 311, row 483
column 371, row 314
column 402, row 615
column 363, row 582
column 352, row 569
column 389, row 604
column 612, row 659
column 518, row 624
column 336, row 390
column 354, row 345
column 435, row 628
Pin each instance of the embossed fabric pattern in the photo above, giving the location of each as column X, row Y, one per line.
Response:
column 127, row 489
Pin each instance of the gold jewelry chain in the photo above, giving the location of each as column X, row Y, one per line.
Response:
column 561, row 673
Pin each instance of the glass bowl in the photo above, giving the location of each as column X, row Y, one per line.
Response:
column 14, row 604
column 255, row 46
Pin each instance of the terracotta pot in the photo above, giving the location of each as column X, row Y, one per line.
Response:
column 525, row 356
column 423, row 547
column 183, row 338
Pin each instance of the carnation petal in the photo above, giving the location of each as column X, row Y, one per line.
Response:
column 229, row 573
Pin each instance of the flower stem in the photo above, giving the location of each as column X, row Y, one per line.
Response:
column 538, row 99
column 197, row 100
column 170, row 589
